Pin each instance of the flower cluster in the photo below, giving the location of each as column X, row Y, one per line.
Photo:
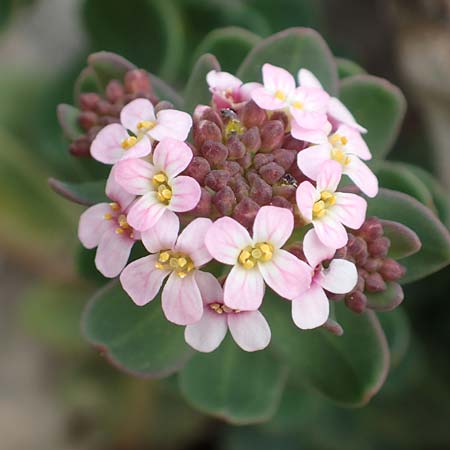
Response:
column 257, row 190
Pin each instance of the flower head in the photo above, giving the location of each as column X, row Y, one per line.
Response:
column 176, row 257
column 161, row 189
column 257, row 259
column 329, row 210
column 249, row 329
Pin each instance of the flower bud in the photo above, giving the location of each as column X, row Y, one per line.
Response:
column 260, row 191
column 88, row 101
column 284, row 190
column 372, row 264
column 357, row 249
column 356, row 301
column 240, row 187
column 251, row 139
column 203, row 208
column 282, row 117
column 290, row 143
column 246, row 161
column 232, row 167
column 281, row 202
column 206, row 130
column 262, row 158
column 213, row 116
column 114, row 91
column 285, row 158
column 245, row 212
column 198, row 168
column 137, row 82
column 374, row 282
column 391, row 270
column 272, row 134
column 251, row 115
column 224, row 201
column 271, row 172
column 81, row 147
column 87, row 119
column 102, row 107
column 217, row 179
column 236, row 148
column 215, row 152
column 161, row 106
column 379, row 247
column 371, row 228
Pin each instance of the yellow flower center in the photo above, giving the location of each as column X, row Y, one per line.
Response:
column 234, row 126
column 177, row 262
column 129, row 142
column 146, row 125
column 280, row 95
column 122, row 223
column 220, row 308
column 163, row 189
column 261, row 252
column 338, row 153
column 297, row 105
column 320, row 207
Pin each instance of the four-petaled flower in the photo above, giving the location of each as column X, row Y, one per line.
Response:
column 259, row 259
column 179, row 258
column 249, row 329
column 311, row 309
column 105, row 226
column 163, row 191
column 329, row 210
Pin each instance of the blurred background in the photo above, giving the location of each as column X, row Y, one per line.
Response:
column 56, row 393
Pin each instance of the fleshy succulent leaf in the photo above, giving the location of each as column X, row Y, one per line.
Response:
column 87, row 193
column 166, row 92
column 404, row 241
column 347, row 68
column 87, row 81
column 386, row 300
column 68, row 120
column 109, row 66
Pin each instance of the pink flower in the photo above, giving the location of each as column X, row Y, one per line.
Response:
column 162, row 190
column 259, row 259
column 336, row 109
column 105, row 226
column 113, row 143
column 311, row 309
column 176, row 257
column 228, row 91
column 249, row 329
column 329, row 210
column 308, row 105
column 346, row 146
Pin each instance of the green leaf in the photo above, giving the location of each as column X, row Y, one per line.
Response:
column 234, row 385
column 348, row 369
column 109, row 66
column 87, row 193
column 293, row 49
column 435, row 238
column 347, row 68
column 68, row 119
column 87, row 81
column 197, row 91
column 137, row 340
column 377, row 105
column 166, row 92
column 404, row 242
column 229, row 45
column 386, row 300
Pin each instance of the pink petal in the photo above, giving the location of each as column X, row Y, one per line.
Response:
column 274, row 225
column 171, row 124
column 362, row 176
column 312, row 114
column 339, row 277
column 146, row 212
column 350, row 209
column 311, row 160
column 116, row 192
column 138, row 110
column 311, row 309
column 210, row 288
column 308, row 79
column 276, row 78
column 107, row 145
column 250, row 330
column 92, row 224
column 181, row 300
column 135, row 176
column 163, row 236
column 245, row 91
column 113, row 252
column 340, row 112
column 142, row 280
column 266, row 100
column 208, row 333
column 192, row 241
column 306, row 196
column 329, row 177
column 226, row 239
column 222, row 81
column 356, row 145
column 287, row 275
column 186, row 193
column 314, row 249
column 244, row 289
column 319, row 136
column 171, row 156
column 330, row 232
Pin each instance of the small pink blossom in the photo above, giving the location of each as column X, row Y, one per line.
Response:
column 329, row 210
column 228, row 91
column 336, row 109
column 259, row 259
column 161, row 189
column 347, row 147
column 249, row 329
column 311, row 309
column 113, row 143
column 176, row 257
column 105, row 226
column 308, row 105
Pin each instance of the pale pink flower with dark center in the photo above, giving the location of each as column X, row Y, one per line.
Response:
column 163, row 191
column 347, row 147
column 311, row 309
column 258, row 259
column 329, row 210
column 176, row 257
column 105, row 226
column 249, row 329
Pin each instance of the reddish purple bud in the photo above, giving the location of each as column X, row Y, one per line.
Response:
column 213, row 116
column 372, row 264
column 203, row 208
column 206, row 130
column 372, row 228
column 356, row 301
column 291, row 143
column 252, row 140
column 271, row 172
column 102, row 107
column 296, row 248
column 285, row 158
column 114, row 91
column 391, row 270
column 240, row 187
column 81, row 147
column 245, row 212
column 161, row 106
column 88, row 101
column 102, row 121
column 87, row 119
column 236, row 149
column 137, row 82
column 261, row 159
column 225, row 201
column 379, row 247
column 281, row 202
column 215, row 152
column 285, row 191
column 282, row 117
column 375, row 282
column 217, row 179
column 246, row 161
column 272, row 134
column 357, row 249
column 198, row 168
column 232, row 167
column 251, row 115
column 260, row 191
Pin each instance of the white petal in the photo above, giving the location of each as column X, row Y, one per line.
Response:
column 192, row 241
column 250, row 330
column 209, row 286
column 314, row 250
column 164, row 235
column 340, row 277
column 311, row 310
column 274, row 225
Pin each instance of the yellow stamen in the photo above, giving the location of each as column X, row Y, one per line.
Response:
column 220, row 308
column 177, row 262
column 280, row 95
column 297, row 105
column 119, row 230
column 146, row 125
column 163, row 190
column 107, row 216
column 261, row 252
column 114, row 206
column 129, row 142
column 159, row 178
column 320, row 207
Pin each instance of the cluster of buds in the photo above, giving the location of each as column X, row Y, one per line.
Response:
column 263, row 168
column 98, row 110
